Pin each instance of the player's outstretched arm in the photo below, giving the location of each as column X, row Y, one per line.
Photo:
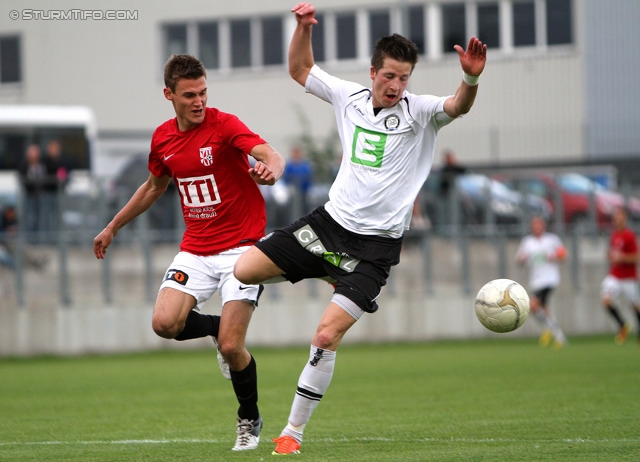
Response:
column 142, row 199
column 270, row 165
column 472, row 61
column 300, row 51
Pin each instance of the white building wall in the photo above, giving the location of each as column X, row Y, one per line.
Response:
column 527, row 109
column 611, row 72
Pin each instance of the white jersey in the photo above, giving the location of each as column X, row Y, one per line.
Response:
column 385, row 157
column 536, row 251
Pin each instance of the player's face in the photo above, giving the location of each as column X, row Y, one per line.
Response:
column 189, row 101
column 619, row 218
column 537, row 226
column 389, row 82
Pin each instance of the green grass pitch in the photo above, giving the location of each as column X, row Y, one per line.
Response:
column 491, row 400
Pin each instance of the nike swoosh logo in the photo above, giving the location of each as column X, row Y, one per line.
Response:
column 169, row 156
column 245, row 287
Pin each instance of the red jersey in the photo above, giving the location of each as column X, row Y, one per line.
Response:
column 222, row 205
column 623, row 241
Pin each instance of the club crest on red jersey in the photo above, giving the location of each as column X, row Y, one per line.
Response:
column 205, row 156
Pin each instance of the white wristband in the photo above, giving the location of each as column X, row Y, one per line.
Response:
column 469, row 79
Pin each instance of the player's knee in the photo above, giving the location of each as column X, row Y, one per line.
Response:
column 235, row 354
column 230, row 351
column 327, row 339
column 165, row 327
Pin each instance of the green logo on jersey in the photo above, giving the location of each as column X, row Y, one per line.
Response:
column 368, row 147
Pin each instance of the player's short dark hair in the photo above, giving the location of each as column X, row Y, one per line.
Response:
column 621, row 208
column 182, row 67
column 396, row 47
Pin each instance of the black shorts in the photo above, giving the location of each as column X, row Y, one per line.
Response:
column 543, row 295
column 315, row 246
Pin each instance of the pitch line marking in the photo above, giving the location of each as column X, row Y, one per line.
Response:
column 321, row 440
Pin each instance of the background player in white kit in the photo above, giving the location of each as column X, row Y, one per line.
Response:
column 204, row 152
column 543, row 252
column 388, row 138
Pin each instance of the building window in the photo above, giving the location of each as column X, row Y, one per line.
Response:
column 379, row 26
column 241, row 43
column 10, row 65
column 415, row 27
column 272, row 39
column 317, row 39
column 175, row 39
column 488, row 25
column 237, row 43
column 524, row 24
column 454, row 31
column 559, row 30
column 209, row 45
column 347, row 36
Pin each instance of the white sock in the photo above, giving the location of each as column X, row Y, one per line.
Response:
column 555, row 328
column 312, row 385
column 541, row 318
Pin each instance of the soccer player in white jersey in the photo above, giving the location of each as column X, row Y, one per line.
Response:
column 388, row 138
column 543, row 252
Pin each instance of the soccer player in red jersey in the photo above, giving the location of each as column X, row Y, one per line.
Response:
column 622, row 281
column 205, row 153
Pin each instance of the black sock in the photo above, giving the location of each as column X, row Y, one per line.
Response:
column 199, row 325
column 245, row 385
column 615, row 314
column 638, row 318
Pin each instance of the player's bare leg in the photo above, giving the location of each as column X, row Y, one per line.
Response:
column 254, row 267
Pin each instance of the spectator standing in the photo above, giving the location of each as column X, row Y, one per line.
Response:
column 8, row 247
column 8, row 230
column 451, row 169
column 33, row 175
column 56, row 179
column 299, row 174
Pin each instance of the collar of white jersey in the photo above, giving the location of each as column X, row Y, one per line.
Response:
column 388, row 119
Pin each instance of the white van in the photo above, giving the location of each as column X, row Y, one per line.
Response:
column 22, row 125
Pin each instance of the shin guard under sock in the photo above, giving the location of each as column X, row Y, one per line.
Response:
column 199, row 325
column 245, row 386
column 312, row 385
column 615, row 314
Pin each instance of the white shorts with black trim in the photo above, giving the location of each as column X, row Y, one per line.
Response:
column 201, row 276
column 620, row 290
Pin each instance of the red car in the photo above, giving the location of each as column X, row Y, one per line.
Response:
column 581, row 197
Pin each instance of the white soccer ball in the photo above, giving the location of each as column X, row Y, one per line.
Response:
column 502, row 305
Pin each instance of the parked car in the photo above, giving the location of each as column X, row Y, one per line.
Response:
column 488, row 197
column 481, row 200
column 578, row 195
